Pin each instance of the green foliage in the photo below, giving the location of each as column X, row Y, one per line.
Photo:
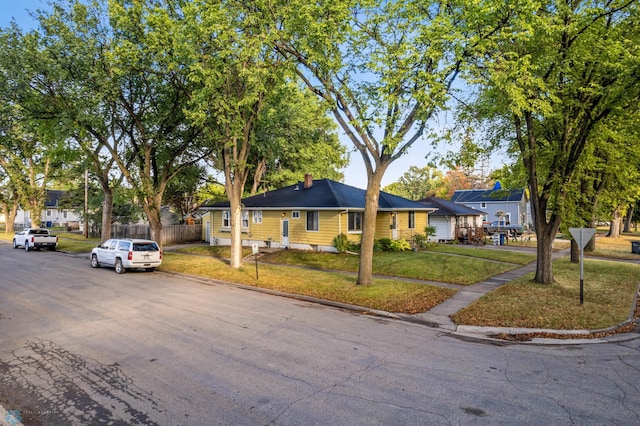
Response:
column 417, row 183
column 387, row 244
column 421, row 241
column 399, row 245
column 430, row 231
column 341, row 243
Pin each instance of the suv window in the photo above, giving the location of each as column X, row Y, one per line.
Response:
column 123, row 245
column 112, row 244
column 145, row 247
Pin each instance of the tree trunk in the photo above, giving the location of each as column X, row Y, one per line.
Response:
column 234, row 190
column 544, row 250
column 372, row 195
column 591, row 245
column 152, row 210
column 10, row 212
column 107, row 212
column 575, row 252
column 614, row 225
column 627, row 221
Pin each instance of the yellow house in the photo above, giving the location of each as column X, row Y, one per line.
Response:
column 310, row 214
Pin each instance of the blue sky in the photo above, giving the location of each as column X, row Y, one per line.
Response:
column 18, row 10
column 355, row 173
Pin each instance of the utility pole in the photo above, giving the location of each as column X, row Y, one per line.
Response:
column 86, row 203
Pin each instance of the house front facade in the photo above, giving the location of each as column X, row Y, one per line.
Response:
column 509, row 205
column 310, row 214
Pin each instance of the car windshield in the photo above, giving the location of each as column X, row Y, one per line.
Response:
column 145, row 247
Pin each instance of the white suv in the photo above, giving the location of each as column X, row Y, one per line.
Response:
column 125, row 254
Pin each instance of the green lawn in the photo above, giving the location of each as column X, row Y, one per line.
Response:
column 467, row 266
column 609, row 294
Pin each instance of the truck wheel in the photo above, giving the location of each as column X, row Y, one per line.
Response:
column 15, row 244
column 26, row 246
column 94, row 261
column 119, row 268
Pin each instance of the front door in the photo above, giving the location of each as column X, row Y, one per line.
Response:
column 284, row 238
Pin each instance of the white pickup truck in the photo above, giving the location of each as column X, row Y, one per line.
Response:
column 35, row 238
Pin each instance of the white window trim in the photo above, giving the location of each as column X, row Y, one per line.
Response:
column 257, row 216
column 295, row 214
column 226, row 216
column 355, row 231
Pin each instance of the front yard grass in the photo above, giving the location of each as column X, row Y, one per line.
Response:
column 609, row 295
column 424, row 265
column 384, row 294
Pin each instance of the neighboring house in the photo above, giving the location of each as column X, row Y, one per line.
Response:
column 513, row 203
column 454, row 222
column 52, row 215
column 310, row 214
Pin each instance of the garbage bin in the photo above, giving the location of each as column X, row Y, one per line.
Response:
column 501, row 239
column 496, row 239
column 635, row 247
column 49, row 224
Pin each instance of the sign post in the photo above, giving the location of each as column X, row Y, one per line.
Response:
column 582, row 237
column 254, row 248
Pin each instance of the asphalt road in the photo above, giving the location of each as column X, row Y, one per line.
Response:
column 80, row 346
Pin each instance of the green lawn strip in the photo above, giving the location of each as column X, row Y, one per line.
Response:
column 609, row 293
column 383, row 294
column 75, row 243
column 521, row 258
column 423, row 265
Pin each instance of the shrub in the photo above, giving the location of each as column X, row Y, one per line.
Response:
column 382, row 244
column 399, row 245
column 341, row 243
column 420, row 240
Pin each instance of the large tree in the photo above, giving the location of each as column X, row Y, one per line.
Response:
column 231, row 61
column 294, row 136
column 557, row 74
column 385, row 68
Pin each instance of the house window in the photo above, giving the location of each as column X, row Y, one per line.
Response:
column 483, row 205
column 64, row 214
column 355, row 222
column 412, row 220
column 245, row 219
column 312, row 220
column 295, row 214
column 49, row 213
column 257, row 216
column 226, row 218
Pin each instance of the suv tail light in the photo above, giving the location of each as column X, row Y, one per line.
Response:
column 160, row 254
column 130, row 255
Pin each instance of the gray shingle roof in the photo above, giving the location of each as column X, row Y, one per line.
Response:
column 448, row 208
column 324, row 194
column 487, row 195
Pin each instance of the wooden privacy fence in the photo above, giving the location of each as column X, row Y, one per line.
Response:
column 171, row 234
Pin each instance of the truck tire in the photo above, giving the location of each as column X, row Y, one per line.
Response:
column 94, row 261
column 119, row 268
column 26, row 246
column 15, row 244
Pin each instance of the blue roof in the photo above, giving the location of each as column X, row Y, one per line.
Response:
column 324, row 194
column 487, row 195
column 448, row 208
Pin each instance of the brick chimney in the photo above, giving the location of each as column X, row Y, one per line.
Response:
column 308, row 181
